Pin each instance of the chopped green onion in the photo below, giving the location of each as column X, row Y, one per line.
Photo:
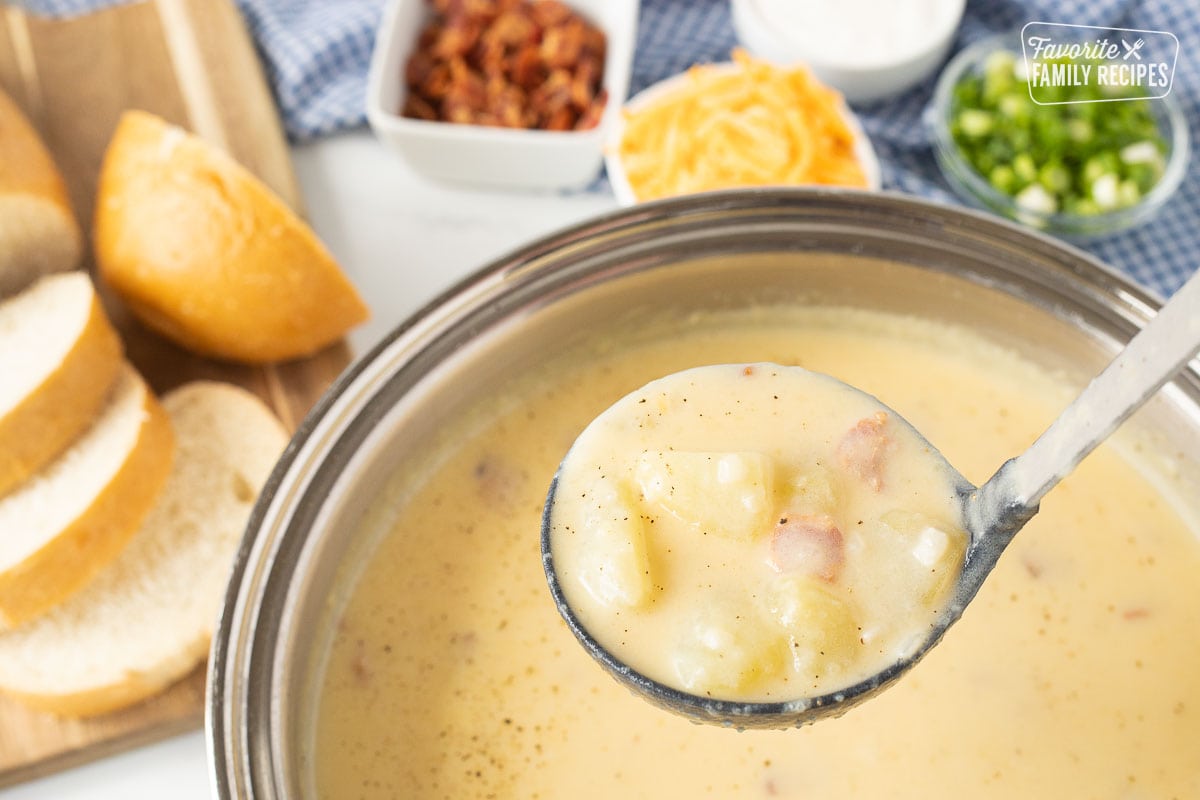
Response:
column 1003, row 178
column 1080, row 129
column 1035, row 198
column 1055, row 177
column 1104, row 191
column 1079, row 157
column 1128, row 193
column 1140, row 153
column 1100, row 164
column 1025, row 169
column 975, row 124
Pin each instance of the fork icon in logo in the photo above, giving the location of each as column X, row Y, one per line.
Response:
column 1132, row 49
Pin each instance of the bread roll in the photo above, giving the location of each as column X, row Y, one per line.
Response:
column 203, row 253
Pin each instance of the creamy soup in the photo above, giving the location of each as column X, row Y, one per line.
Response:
column 1074, row 673
column 755, row 533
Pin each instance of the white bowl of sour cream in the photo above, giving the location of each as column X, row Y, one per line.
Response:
column 867, row 49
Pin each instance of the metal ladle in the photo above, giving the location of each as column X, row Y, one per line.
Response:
column 991, row 515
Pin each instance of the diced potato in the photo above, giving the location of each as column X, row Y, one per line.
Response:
column 937, row 549
column 824, row 634
column 614, row 563
column 813, row 491
column 727, row 648
column 931, row 547
column 725, row 494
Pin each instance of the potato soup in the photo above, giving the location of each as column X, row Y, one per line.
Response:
column 1074, row 673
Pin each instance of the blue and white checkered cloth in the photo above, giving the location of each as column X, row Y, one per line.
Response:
column 317, row 52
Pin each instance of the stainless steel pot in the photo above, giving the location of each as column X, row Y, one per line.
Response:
column 314, row 523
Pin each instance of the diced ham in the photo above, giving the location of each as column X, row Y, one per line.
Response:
column 360, row 666
column 500, row 483
column 863, row 449
column 808, row 543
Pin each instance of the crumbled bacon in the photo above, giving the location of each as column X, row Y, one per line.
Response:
column 511, row 63
column 512, row 29
column 550, row 13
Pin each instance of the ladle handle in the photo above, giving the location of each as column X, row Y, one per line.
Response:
column 1153, row 356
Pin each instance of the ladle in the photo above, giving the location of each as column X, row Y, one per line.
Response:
column 992, row 514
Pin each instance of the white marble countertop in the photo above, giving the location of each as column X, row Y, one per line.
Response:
column 402, row 240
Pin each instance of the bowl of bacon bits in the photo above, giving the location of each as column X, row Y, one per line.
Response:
column 515, row 94
column 733, row 125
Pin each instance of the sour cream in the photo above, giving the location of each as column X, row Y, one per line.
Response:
column 867, row 49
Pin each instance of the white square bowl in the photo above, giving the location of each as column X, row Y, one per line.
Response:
column 487, row 156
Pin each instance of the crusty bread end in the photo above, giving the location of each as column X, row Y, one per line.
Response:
column 38, row 231
column 37, row 237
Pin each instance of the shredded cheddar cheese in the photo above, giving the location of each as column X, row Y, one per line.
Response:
column 756, row 124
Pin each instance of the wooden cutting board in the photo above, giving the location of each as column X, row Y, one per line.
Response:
column 192, row 62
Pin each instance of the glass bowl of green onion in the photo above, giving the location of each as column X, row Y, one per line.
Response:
column 1101, row 163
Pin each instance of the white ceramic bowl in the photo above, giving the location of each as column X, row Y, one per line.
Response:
column 619, row 181
column 486, row 156
column 859, row 70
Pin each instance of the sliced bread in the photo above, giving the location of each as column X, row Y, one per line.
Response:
column 59, row 359
column 38, row 231
column 60, row 527
column 147, row 619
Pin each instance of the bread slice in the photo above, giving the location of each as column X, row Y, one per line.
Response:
column 147, row 619
column 59, row 528
column 38, row 231
column 59, row 358
column 204, row 253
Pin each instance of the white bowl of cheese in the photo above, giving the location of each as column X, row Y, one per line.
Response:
column 735, row 125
